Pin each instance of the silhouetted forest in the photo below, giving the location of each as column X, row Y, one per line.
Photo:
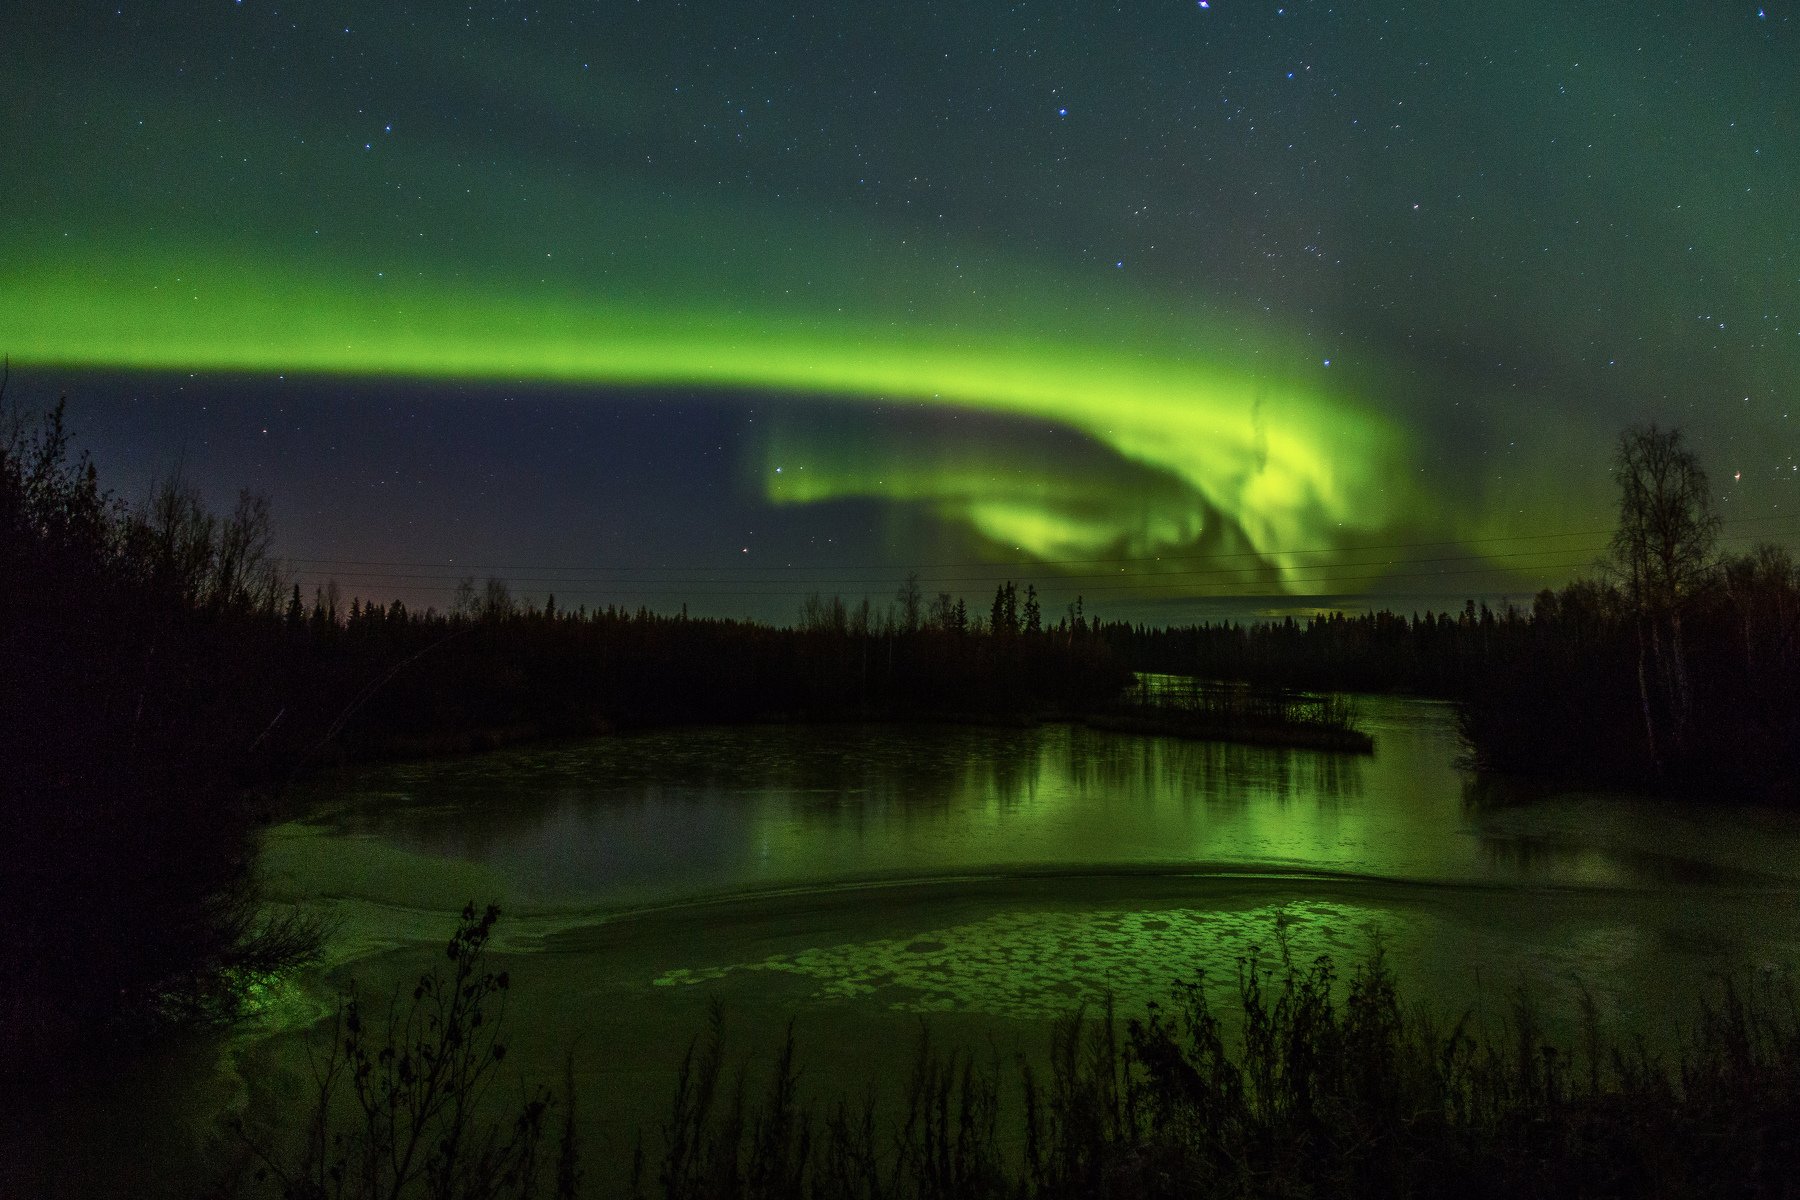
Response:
column 1575, row 687
column 1429, row 654
column 1585, row 688
column 1678, row 666
column 494, row 670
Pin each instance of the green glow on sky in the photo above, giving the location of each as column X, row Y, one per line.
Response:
column 1288, row 279
column 1224, row 456
column 1048, row 500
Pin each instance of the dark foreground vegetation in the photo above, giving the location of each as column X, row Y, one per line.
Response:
column 1307, row 1085
column 1329, row 1091
column 404, row 1101
column 131, row 745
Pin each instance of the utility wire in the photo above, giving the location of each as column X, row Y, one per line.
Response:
column 1261, row 555
column 884, row 581
column 1134, row 587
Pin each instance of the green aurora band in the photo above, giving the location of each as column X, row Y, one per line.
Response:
column 1259, row 467
column 885, row 211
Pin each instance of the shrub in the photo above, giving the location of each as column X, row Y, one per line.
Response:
column 416, row 1120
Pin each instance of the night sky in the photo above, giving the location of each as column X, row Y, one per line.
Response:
column 1226, row 307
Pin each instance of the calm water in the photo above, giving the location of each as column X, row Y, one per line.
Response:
column 1013, row 873
column 1010, row 874
column 658, row 817
column 851, row 879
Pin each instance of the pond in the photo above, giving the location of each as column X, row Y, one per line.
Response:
column 858, row 879
column 676, row 815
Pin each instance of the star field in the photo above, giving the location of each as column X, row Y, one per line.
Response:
column 1014, row 283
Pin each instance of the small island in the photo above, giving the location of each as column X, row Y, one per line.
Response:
column 1234, row 711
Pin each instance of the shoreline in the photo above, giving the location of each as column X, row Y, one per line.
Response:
column 488, row 739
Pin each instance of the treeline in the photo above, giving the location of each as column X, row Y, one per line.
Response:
column 1592, row 685
column 493, row 669
column 1599, row 682
column 1429, row 654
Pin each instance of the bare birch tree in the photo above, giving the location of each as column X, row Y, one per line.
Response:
column 1662, row 554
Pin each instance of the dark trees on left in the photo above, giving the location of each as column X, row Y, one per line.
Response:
column 126, row 641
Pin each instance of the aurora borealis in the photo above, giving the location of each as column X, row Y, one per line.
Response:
column 1250, row 299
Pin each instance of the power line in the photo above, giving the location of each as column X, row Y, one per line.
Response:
column 982, row 578
column 971, row 562
column 1261, row 555
column 1134, row 587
